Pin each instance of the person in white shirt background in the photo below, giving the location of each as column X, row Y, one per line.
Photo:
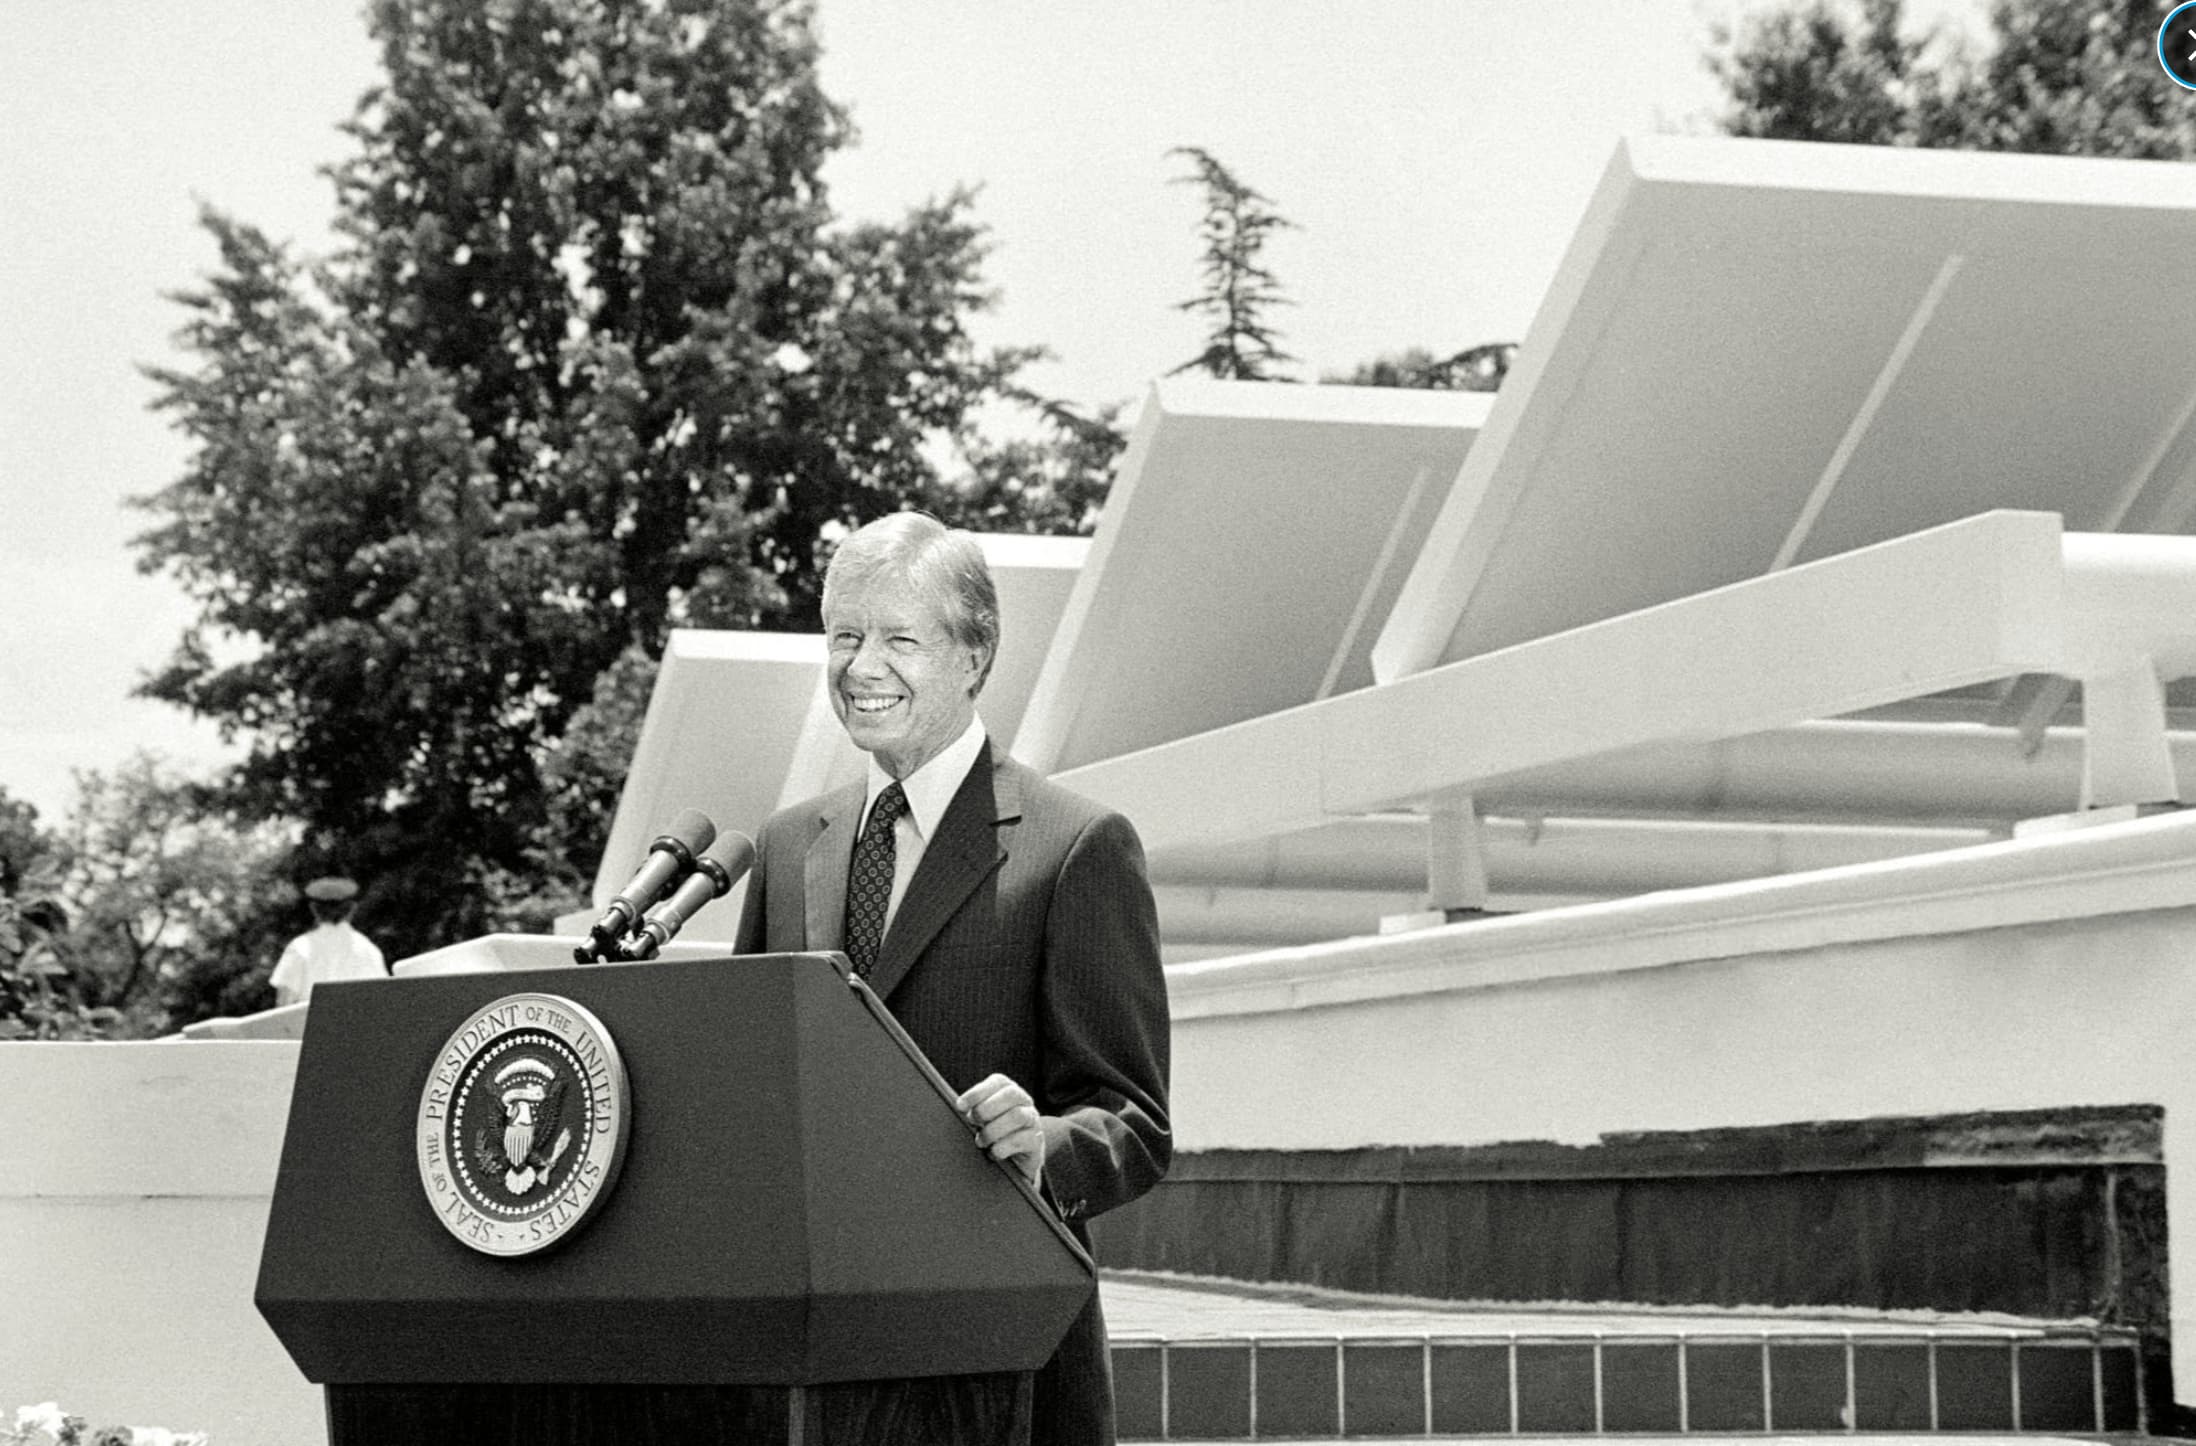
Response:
column 331, row 949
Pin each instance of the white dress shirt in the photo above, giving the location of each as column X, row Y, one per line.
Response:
column 329, row 951
column 929, row 791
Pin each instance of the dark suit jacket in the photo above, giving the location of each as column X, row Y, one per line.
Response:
column 1027, row 945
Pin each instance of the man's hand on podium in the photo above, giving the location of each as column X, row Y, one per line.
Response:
column 1004, row 1118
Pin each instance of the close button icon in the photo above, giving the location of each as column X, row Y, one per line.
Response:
column 2177, row 45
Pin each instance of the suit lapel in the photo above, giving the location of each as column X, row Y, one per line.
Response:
column 970, row 844
column 824, row 872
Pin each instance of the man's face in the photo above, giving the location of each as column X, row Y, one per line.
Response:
column 902, row 687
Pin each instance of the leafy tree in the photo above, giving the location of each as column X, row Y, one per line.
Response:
column 1474, row 369
column 177, row 911
column 584, row 770
column 37, row 1000
column 1822, row 71
column 593, row 360
column 1239, row 290
column 25, row 848
column 2072, row 77
column 147, row 910
column 2075, row 79
column 1053, row 483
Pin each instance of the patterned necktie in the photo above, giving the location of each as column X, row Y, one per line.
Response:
column 869, row 882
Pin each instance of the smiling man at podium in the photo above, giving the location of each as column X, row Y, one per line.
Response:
column 1006, row 922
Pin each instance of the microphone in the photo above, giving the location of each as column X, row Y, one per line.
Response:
column 726, row 863
column 670, row 857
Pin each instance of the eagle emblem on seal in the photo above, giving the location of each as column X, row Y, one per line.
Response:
column 522, row 1124
column 523, row 1141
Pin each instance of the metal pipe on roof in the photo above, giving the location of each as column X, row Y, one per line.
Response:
column 1268, row 918
column 1935, row 773
column 1596, row 856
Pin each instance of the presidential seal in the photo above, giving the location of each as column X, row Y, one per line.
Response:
column 522, row 1124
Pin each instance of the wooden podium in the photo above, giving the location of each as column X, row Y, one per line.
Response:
column 802, row 1244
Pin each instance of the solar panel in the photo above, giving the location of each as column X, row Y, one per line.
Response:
column 1251, row 546
column 1760, row 353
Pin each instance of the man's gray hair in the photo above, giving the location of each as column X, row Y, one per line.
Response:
column 943, row 564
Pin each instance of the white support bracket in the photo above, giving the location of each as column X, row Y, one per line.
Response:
column 1456, row 857
column 2126, row 758
column 1456, row 867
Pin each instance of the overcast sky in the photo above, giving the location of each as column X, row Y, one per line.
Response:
column 1435, row 154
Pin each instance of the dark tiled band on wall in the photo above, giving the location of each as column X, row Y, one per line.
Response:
column 1241, row 1389
column 2037, row 1214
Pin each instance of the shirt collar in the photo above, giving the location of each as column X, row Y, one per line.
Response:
column 930, row 788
